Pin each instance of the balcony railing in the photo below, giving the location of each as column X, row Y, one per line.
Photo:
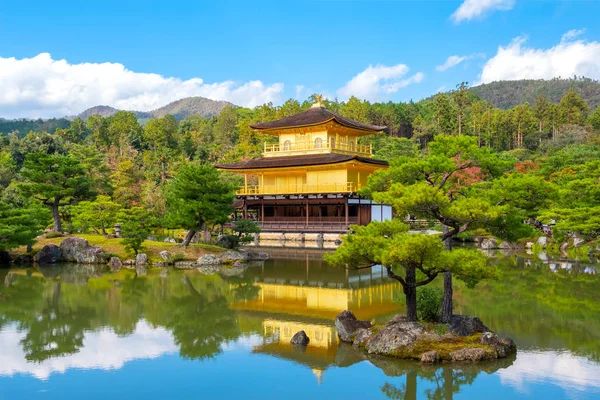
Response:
column 271, row 150
column 321, row 188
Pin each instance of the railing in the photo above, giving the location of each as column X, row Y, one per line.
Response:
column 312, row 147
column 323, row 188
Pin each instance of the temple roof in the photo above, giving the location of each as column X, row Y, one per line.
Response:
column 299, row 161
column 316, row 116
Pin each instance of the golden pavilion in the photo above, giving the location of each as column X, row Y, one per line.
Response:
column 309, row 181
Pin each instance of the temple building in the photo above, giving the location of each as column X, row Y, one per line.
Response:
column 309, row 181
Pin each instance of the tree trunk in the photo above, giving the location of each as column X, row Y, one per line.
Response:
column 57, row 227
column 410, row 291
column 411, row 385
column 188, row 238
column 446, row 311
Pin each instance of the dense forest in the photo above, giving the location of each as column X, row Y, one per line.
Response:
column 103, row 165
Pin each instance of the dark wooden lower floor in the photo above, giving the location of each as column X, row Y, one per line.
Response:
column 315, row 215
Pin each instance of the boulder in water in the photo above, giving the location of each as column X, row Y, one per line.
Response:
column 165, row 255
column 430, row 357
column 78, row 250
column 464, row 325
column 394, row 337
column 489, row 244
column 141, row 259
column 347, row 326
column 208, row 259
column 49, row 254
column 472, row 354
column 115, row 264
column 300, row 339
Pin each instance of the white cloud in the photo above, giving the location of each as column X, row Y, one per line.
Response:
column 451, row 61
column 471, row 9
column 376, row 80
column 572, row 34
column 43, row 87
column 567, row 58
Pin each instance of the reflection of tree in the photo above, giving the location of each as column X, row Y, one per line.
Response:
column 243, row 287
column 58, row 330
column 448, row 379
column 540, row 307
column 20, row 298
column 200, row 322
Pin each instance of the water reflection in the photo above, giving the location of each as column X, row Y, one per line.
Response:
column 60, row 319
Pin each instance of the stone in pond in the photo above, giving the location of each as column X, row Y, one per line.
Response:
column 300, row 339
column 49, row 254
column 463, row 325
column 347, row 325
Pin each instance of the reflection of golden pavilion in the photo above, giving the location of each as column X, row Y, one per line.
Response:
column 302, row 293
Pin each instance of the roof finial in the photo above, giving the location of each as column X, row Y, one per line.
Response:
column 318, row 100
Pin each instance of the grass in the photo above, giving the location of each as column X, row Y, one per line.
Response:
column 151, row 248
column 443, row 347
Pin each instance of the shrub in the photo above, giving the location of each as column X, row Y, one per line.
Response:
column 178, row 257
column 429, row 304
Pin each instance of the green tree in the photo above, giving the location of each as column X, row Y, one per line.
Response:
column 20, row 225
column 245, row 229
column 412, row 260
column 541, row 110
column 55, row 181
column 572, row 108
column 462, row 99
column 594, row 119
column 198, row 196
column 97, row 215
column 136, row 225
column 435, row 187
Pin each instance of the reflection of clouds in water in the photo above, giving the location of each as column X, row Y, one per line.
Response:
column 102, row 349
column 561, row 369
column 245, row 342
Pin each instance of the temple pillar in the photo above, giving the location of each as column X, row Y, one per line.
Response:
column 307, row 211
column 346, row 211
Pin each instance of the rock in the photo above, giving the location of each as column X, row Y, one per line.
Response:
column 257, row 256
column 529, row 245
column 141, row 259
column 140, row 269
column 563, row 248
column 159, row 264
column 300, row 339
column 23, row 259
column 578, row 242
column 78, row 250
column 231, row 256
column 542, row 241
column 227, row 241
column 208, row 259
column 49, row 254
column 362, row 337
column 151, row 238
column 430, row 357
column 209, row 269
column 505, row 245
column 394, row 337
column 347, row 325
column 489, row 244
column 463, row 325
column 169, row 240
column 115, row 264
column 164, row 273
column 165, row 255
column 503, row 346
column 472, row 354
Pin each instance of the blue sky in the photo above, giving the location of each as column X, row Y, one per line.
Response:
column 142, row 55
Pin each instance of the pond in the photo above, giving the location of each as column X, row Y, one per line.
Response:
column 73, row 331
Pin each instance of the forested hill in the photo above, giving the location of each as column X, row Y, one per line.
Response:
column 179, row 109
column 508, row 94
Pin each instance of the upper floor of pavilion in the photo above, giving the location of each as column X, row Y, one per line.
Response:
column 317, row 131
